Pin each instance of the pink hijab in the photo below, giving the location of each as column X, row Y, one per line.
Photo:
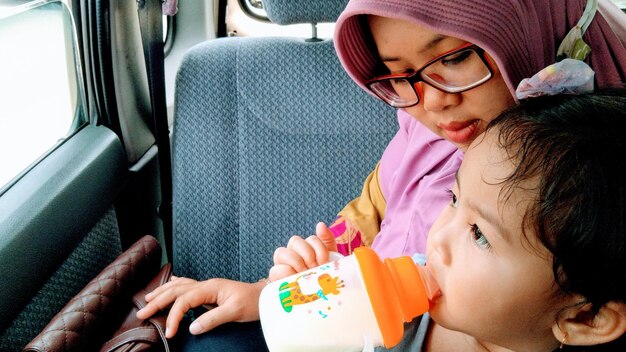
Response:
column 521, row 35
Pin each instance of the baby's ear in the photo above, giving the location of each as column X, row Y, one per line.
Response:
column 579, row 326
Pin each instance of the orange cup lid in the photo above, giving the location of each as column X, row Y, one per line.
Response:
column 395, row 290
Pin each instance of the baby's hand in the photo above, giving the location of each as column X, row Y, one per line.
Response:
column 328, row 238
column 303, row 254
column 236, row 302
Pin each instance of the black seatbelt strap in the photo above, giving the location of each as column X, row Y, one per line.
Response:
column 151, row 26
column 221, row 18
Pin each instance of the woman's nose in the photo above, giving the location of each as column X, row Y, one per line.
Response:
column 436, row 100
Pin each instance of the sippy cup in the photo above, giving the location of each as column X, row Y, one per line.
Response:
column 346, row 304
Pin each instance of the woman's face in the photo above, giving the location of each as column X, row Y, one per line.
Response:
column 406, row 47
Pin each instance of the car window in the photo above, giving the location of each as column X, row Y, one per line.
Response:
column 247, row 18
column 41, row 96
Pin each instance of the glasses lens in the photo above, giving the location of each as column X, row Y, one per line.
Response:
column 397, row 92
column 457, row 72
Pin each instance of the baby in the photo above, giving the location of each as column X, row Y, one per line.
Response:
column 530, row 254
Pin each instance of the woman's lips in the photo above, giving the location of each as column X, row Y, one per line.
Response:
column 460, row 132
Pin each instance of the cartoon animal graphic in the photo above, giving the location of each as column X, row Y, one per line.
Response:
column 291, row 294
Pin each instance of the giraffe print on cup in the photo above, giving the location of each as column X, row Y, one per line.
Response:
column 291, row 294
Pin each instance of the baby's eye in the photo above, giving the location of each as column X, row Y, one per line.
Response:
column 453, row 199
column 480, row 239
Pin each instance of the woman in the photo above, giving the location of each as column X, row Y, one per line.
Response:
column 406, row 192
column 520, row 38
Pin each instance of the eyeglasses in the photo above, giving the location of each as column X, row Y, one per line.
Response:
column 454, row 71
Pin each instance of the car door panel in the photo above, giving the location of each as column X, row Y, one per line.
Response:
column 45, row 215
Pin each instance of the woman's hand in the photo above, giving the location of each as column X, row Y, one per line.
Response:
column 303, row 254
column 235, row 302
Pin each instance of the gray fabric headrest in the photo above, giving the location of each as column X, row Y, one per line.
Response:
column 285, row 12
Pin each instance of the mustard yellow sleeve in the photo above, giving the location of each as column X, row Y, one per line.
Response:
column 365, row 213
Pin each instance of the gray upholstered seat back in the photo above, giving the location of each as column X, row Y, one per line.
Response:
column 270, row 137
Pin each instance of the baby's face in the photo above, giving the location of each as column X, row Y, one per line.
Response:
column 405, row 47
column 496, row 278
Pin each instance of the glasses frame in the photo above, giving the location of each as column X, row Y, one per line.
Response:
column 415, row 77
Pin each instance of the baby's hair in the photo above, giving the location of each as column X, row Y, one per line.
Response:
column 575, row 147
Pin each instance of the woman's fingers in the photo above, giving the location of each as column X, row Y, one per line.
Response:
column 175, row 281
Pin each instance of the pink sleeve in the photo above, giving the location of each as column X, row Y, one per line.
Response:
column 394, row 153
column 367, row 211
column 347, row 236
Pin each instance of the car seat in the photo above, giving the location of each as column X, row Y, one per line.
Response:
column 270, row 137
